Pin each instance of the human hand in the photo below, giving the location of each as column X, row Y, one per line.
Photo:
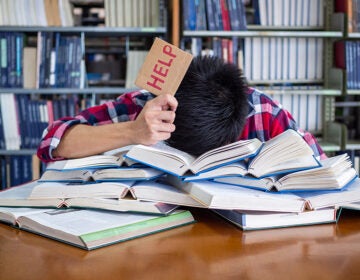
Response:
column 155, row 122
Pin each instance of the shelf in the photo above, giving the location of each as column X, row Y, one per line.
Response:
column 23, row 152
column 327, row 92
column 348, row 104
column 353, row 91
column 90, row 90
column 352, row 145
column 329, row 147
column 355, row 35
column 263, row 33
column 90, row 30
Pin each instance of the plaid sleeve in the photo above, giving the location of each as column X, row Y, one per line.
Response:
column 125, row 108
column 266, row 119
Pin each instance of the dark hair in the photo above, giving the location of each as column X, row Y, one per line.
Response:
column 212, row 106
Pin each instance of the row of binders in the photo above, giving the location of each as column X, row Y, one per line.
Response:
column 267, row 60
column 23, row 119
column 138, row 13
column 290, row 13
column 57, row 61
column 214, row 15
column 235, row 15
column 253, row 184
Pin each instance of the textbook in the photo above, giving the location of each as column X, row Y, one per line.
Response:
column 215, row 195
column 335, row 173
column 284, row 153
column 100, row 175
column 178, row 163
column 256, row 220
column 109, row 196
column 155, row 191
column 113, row 158
column 90, row 229
column 224, row 196
column 329, row 198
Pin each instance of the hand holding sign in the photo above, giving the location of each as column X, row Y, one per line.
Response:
column 155, row 122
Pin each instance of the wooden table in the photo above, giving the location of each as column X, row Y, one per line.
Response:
column 209, row 249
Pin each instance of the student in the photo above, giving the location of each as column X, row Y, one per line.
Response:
column 212, row 107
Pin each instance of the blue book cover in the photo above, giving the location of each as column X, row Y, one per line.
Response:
column 210, row 15
column 3, row 59
column 189, row 14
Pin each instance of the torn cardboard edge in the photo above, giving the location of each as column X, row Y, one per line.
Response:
column 164, row 68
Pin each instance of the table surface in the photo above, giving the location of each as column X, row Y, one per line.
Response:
column 209, row 249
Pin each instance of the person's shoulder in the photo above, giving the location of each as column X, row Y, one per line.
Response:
column 256, row 96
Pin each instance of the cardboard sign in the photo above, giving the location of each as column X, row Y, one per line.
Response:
column 164, row 68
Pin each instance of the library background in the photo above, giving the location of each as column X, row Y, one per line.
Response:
column 58, row 57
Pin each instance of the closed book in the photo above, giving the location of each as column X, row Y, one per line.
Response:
column 256, row 220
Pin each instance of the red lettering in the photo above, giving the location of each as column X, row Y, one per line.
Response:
column 167, row 50
column 168, row 64
column 155, row 81
column 160, row 70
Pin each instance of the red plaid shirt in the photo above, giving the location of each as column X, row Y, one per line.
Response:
column 265, row 120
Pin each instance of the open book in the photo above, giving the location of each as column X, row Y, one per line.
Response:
column 224, row 196
column 254, row 220
column 335, row 173
column 91, row 229
column 284, row 153
column 100, row 175
column 215, row 195
column 144, row 191
column 114, row 196
column 90, row 162
column 178, row 163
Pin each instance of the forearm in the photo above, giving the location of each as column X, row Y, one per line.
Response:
column 85, row 140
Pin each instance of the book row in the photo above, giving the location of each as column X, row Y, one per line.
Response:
column 234, row 15
column 305, row 108
column 347, row 57
column 283, row 59
column 214, row 15
column 57, row 61
column 36, row 13
column 19, row 169
column 138, row 13
column 267, row 60
column 23, row 119
column 290, row 13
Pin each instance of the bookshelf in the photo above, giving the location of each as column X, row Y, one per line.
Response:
column 295, row 92
column 347, row 59
column 106, row 42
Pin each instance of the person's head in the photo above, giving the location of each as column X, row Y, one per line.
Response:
column 212, row 106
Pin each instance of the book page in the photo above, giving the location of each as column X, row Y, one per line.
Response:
column 163, row 152
column 10, row 214
column 78, row 222
column 18, row 192
column 61, row 190
column 328, row 198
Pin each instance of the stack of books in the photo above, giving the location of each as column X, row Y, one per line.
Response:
column 139, row 190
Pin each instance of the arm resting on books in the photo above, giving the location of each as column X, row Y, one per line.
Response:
column 84, row 138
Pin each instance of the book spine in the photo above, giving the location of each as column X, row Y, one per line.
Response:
column 189, row 14
column 225, row 15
